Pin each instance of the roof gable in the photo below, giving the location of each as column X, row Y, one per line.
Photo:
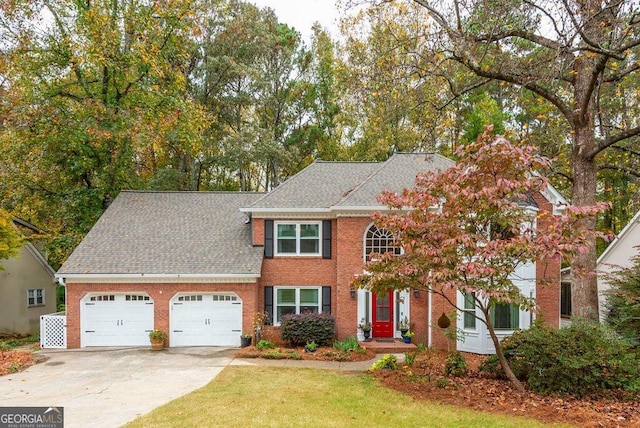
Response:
column 169, row 233
column 621, row 250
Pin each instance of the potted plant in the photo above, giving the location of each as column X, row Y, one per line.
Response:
column 407, row 336
column 310, row 347
column 245, row 339
column 404, row 326
column 157, row 338
column 365, row 326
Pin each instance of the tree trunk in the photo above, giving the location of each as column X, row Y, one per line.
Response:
column 503, row 360
column 584, row 289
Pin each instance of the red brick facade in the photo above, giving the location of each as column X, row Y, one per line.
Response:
column 161, row 295
column 346, row 260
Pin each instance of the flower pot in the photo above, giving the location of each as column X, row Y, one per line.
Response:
column 245, row 341
column 157, row 345
column 367, row 335
column 403, row 331
column 406, row 339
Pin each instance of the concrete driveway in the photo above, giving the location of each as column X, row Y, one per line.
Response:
column 106, row 387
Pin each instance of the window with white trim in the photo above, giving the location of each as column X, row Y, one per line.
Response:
column 35, row 297
column 469, row 319
column 298, row 239
column 296, row 300
column 505, row 316
column 379, row 241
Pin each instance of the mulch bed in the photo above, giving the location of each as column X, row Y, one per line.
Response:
column 323, row 353
column 12, row 361
column 425, row 380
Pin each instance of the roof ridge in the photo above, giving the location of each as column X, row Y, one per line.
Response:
column 387, row 164
column 350, row 193
column 203, row 192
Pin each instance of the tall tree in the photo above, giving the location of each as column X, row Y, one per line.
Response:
column 577, row 55
column 391, row 106
column 248, row 73
column 90, row 91
column 10, row 238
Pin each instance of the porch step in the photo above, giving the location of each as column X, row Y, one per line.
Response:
column 389, row 346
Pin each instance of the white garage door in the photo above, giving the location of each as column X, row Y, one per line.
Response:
column 116, row 320
column 200, row 319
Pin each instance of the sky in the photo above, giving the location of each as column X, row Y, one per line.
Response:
column 301, row 14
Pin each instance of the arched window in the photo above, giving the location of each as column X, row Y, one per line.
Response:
column 379, row 241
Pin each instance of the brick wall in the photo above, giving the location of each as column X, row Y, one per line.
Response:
column 547, row 274
column 298, row 270
column 161, row 295
column 349, row 263
column 257, row 231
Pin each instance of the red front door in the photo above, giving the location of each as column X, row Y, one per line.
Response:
column 383, row 315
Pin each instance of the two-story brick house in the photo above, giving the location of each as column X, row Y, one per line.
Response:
column 200, row 264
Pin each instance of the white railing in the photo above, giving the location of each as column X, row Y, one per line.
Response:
column 53, row 331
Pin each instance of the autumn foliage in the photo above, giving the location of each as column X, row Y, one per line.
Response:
column 471, row 227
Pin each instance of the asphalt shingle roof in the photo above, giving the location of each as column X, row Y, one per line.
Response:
column 324, row 185
column 397, row 173
column 170, row 233
column 320, row 185
column 174, row 233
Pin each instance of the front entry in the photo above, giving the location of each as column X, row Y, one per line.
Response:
column 382, row 322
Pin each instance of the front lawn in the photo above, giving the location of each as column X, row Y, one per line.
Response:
column 251, row 396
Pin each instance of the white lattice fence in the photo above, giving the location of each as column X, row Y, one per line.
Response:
column 53, row 331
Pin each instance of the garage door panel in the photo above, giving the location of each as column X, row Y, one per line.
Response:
column 116, row 320
column 206, row 320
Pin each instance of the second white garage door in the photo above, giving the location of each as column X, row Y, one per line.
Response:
column 200, row 319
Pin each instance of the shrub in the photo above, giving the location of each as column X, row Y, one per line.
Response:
column 348, row 345
column 583, row 359
column 410, row 358
column 623, row 298
column 386, row 362
column 455, row 365
column 274, row 355
column 442, row 383
column 297, row 330
column 293, row 355
column 265, row 344
column 335, row 355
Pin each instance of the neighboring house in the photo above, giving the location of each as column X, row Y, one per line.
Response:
column 618, row 255
column 27, row 287
column 200, row 264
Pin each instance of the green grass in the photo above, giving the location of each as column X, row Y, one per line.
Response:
column 10, row 343
column 244, row 396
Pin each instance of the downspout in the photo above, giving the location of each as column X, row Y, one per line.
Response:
column 429, row 320
column 62, row 283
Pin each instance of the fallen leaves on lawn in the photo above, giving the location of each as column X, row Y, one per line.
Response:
column 425, row 380
column 12, row 361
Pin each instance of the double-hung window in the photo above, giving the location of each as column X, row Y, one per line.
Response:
column 298, row 238
column 296, row 300
column 505, row 316
column 469, row 319
column 35, row 296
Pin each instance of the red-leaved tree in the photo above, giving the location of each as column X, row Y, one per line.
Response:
column 470, row 227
